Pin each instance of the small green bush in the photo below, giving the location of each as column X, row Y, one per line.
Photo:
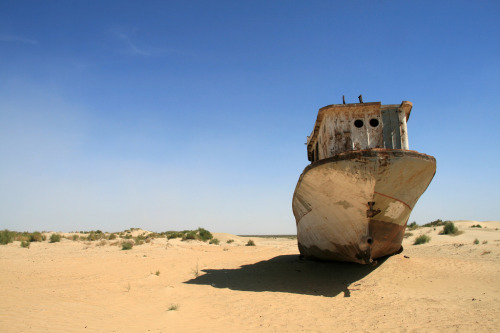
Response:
column 6, row 237
column 189, row 236
column 157, row 273
column 214, row 241
column 96, row 235
column 412, row 226
column 250, row 243
column 422, row 239
column 21, row 236
column 229, row 241
column 36, row 237
column 436, row 223
column 25, row 244
column 75, row 237
column 54, row 238
column 173, row 307
column 127, row 245
column 112, row 236
column 476, row 226
column 450, row 229
column 476, row 241
column 204, row 234
column 174, row 234
column 408, row 234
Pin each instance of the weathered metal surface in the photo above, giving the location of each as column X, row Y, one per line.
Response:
column 333, row 196
column 354, row 200
column 392, row 133
column 345, row 127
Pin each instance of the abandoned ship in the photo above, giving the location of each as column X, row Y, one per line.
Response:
column 352, row 203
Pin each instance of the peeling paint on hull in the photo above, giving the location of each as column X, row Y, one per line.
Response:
column 354, row 206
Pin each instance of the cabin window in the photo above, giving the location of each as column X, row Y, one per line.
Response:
column 358, row 123
column 374, row 122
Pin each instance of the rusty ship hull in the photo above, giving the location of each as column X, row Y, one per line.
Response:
column 354, row 206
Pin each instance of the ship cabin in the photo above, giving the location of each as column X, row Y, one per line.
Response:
column 347, row 127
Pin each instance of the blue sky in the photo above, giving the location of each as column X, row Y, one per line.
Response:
column 171, row 115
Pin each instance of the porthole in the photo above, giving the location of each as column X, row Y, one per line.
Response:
column 373, row 122
column 358, row 123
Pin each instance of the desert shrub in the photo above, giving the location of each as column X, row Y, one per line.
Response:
column 408, row 234
column 422, row 239
column 157, row 273
column 250, row 243
column 112, row 236
column 189, row 235
column 450, row 229
column 198, row 234
column 20, row 236
column 25, row 244
column 476, row 226
column 435, row 223
column 174, row 234
column 476, row 241
column 214, row 241
column 412, row 226
column 196, row 270
column 485, row 242
column 96, row 235
column 138, row 240
column 127, row 245
column 75, row 237
column 27, row 236
column 54, row 238
column 229, row 241
column 36, row 237
column 204, row 234
column 6, row 237
column 140, row 237
column 173, row 307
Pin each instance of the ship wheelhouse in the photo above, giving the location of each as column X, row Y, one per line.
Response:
column 341, row 128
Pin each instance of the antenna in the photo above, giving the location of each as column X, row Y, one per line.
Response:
column 360, row 98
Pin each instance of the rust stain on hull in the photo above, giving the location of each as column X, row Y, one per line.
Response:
column 387, row 237
column 353, row 208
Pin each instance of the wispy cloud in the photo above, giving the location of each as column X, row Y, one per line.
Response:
column 131, row 46
column 127, row 37
column 17, row 39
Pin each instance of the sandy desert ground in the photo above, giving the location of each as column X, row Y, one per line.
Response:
column 447, row 285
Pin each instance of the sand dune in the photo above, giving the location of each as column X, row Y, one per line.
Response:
column 448, row 284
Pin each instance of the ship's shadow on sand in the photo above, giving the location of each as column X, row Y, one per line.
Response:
column 289, row 274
